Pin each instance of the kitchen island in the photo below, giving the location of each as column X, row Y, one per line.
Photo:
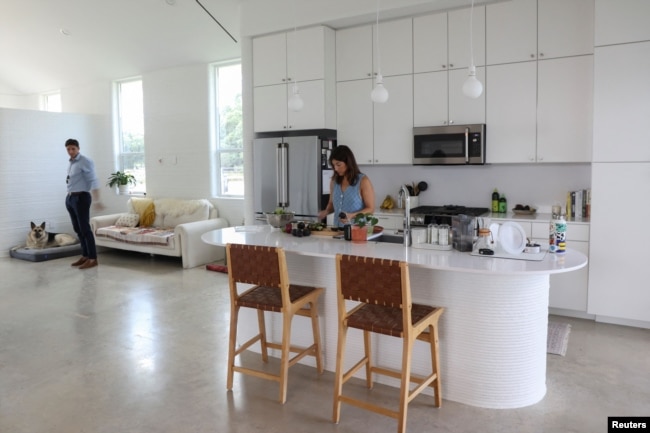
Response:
column 493, row 331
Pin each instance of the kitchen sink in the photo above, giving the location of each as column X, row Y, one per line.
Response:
column 390, row 238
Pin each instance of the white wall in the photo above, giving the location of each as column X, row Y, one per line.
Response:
column 34, row 166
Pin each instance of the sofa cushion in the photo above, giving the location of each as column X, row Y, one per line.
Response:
column 128, row 220
column 175, row 211
column 138, row 235
column 145, row 208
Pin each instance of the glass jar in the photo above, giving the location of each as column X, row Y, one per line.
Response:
column 443, row 234
column 432, row 234
column 484, row 241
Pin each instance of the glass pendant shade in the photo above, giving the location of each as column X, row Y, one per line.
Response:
column 379, row 94
column 472, row 88
column 295, row 101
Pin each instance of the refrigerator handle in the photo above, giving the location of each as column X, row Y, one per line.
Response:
column 282, row 175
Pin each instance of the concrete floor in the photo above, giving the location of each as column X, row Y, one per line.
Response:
column 138, row 344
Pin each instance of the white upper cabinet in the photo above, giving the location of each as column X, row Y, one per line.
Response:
column 566, row 28
column 621, row 21
column 354, row 118
column 357, row 56
column 395, row 47
column 511, row 29
column 458, row 30
column 564, row 109
column 430, row 43
column 354, row 53
column 511, row 113
column 393, row 123
column 277, row 59
column 622, row 104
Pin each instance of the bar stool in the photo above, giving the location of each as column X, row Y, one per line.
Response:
column 382, row 291
column 266, row 269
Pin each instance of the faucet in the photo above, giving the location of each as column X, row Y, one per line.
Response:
column 404, row 192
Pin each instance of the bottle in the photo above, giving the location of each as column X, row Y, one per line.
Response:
column 551, row 236
column 495, row 200
column 503, row 204
column 560, row 235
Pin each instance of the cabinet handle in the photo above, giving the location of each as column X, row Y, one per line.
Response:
column 289, row 79
column 444, row 66
column 369, row 74
column 541, row 54
column 284, row 79
column 532, row 56
column 451, row 122
column 451, row 65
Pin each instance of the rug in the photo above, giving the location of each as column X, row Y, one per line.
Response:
column 217, row 268
column 557, row 338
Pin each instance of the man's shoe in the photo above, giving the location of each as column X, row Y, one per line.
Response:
column 80, row 262
column 90, row 263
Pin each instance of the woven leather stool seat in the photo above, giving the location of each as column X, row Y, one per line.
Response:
column 382, row 291
column 266, row 269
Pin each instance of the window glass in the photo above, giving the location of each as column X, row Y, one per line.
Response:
column 52, row 102
column 229, row 155
column 131, row 132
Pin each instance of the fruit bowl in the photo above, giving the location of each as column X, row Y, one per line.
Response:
column 279, row 220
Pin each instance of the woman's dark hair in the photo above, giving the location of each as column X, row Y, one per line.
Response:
column 344, row 154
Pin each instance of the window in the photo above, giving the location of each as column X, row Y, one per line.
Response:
column 131, row 132
column 52, row 102
column 229, row 142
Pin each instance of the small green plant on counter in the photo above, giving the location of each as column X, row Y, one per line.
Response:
column 363, row 219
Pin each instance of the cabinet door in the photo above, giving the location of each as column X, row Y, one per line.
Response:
column 393, row 123
column 619, row 22
column 270, row 108
column 511, row 31
column 566, row 28
column 618, row 258
column 430, row 43
column 306, row 54
column 270, row 57
column 511, row 112
column 464, row 110
column 458, row 37
column 621, row 103
column 564, row 109
column 312, row 115
column 354, row 53
column 430, row 99
column 395, row 47
column 354, row 118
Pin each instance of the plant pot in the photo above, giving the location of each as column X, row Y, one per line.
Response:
column 123, row 189
column 359, row 234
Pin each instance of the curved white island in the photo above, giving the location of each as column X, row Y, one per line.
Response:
column 493, row 331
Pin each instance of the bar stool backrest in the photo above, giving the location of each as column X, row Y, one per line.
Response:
column 254, row 264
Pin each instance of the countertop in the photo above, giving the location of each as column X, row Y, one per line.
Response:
column 319, row 246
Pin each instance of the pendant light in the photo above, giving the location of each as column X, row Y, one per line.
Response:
column 472, row 88
column 379, row 94
column 295, row 101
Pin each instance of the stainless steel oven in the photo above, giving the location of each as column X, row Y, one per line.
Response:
column 449, row 145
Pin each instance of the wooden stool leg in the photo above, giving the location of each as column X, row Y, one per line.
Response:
column 338, row 380
column 367, row 347
column 284, row 360
column 262, row 326
column 315, row 327
column 232, row 342
column 435, row 364
column 407, row 349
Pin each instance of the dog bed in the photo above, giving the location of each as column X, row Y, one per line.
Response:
column 40, row 255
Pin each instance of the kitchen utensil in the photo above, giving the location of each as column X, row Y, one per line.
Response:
column 423, row 186
column 278, row 220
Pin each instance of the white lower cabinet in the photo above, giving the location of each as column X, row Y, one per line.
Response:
column 390, row 221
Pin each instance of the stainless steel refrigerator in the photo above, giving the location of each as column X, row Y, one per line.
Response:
column 291, row 171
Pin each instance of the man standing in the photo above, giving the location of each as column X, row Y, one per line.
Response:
column 81, row 181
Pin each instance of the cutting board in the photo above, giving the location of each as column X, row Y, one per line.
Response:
column 377, row 230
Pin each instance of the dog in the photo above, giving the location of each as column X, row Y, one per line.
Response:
column 38, row 237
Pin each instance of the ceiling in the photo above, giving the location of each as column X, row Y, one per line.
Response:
column 107, row 40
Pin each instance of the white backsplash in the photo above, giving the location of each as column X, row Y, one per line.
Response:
column 537, row 185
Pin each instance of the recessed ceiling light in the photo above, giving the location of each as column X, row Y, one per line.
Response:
column 64, row 32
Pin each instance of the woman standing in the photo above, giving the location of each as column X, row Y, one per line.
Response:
column 351, row 191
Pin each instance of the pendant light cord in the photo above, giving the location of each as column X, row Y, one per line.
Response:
column 471, row 35
column 295, row 39
column 377, row 40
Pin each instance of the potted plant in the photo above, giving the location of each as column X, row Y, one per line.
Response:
column 362, row 225
column 122, row 180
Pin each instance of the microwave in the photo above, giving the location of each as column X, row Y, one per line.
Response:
column 449, row 145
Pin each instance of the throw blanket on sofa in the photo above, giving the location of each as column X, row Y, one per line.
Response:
column 139, row 235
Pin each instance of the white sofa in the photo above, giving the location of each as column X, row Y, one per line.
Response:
column 176, row 230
